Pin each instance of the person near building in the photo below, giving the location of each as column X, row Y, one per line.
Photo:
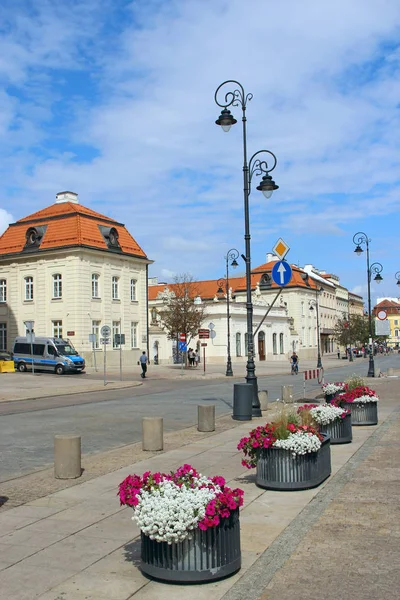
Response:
column 196, row 358
column 143, row 363
column 338, row 352
column 294, row 361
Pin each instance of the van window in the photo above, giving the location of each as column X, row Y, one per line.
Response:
column 51, row 350
column 66, row 350
column 22, row 348
column 38, row 349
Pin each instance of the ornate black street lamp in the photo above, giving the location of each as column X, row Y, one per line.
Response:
column 351, row 359
column 376, row 268
column 255, row 166
column 223, row 286
column 398, row 277
column 312, row 304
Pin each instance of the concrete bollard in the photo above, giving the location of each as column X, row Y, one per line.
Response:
column 390, row 372
column 263, row 398
column 152, row 434
column 287, row 394
column 67, row 456
column 377, row 372
column 206, row 417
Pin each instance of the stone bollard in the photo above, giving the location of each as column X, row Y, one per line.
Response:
column 152, row 434
column 390, row 372
column 67, row 456
column 263, row 398
column 206, row 417
column 377, row 372
column 287, row 394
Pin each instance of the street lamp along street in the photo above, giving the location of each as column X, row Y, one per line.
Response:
column 256, row 166
column 232, row 255
column 376, row 268
column 313, row 303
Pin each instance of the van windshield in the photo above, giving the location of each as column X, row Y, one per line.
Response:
column 66, row 350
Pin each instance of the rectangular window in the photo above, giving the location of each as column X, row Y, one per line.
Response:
column 396, row 322
column 3, row 336
column 96, row 332
column 57, row 286
column 57, row 329
column 28, row 288
column 115, row 329
column 133, row 290
column 95, row 285
column 134, row 335
column 3, row 290
column 114, row 288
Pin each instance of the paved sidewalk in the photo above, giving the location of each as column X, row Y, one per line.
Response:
column 78, row 544
column 24, row 386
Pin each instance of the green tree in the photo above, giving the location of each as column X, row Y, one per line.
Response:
column 355, row 332
column 181, row 314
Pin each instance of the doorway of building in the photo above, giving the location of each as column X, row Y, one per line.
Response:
column 261, row 345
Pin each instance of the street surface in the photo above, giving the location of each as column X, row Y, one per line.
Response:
column 110, row 419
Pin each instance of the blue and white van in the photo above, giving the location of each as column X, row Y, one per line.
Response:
column 55, row 355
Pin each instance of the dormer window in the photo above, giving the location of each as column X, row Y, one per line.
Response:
column 34, row 237
column 110, row 235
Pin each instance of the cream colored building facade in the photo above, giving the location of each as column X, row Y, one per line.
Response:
column 84, row 272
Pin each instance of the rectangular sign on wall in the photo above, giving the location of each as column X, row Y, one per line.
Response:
column 382, row 327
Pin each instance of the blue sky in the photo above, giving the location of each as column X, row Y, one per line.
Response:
column 115, row 100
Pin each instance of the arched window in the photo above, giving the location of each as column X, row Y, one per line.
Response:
column 274, row 350
column 238, row 344
column 281, row 349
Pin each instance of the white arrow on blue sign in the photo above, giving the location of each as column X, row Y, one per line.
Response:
column 281, row 273
column 182, row 346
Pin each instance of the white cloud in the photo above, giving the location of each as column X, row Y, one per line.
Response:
column 5, row 219
column 325, row 101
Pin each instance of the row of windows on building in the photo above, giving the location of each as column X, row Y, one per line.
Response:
column 58, row 287
column 57, row 331
column 261, row 339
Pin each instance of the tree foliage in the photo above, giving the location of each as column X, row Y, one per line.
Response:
column 181, row 314
column 354, row 332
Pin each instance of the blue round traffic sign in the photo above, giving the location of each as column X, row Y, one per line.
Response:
column 281, row 273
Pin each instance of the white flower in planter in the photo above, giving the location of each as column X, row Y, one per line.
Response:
column 327, row 413
column 301, row 442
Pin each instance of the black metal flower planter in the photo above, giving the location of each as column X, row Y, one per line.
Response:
column 339, row 430
column 208, row 556
column 362, row 413
column 277, row 469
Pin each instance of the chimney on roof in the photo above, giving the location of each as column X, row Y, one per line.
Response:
column 67, row 197
column 271, row 257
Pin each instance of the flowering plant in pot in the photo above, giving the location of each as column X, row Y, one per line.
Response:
column 331, row 389
column 333, row 420
column 174, row 512
column 362, row 403
column 287, row 454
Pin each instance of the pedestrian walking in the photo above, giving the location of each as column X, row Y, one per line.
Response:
column 143, row 363
column 196, row 358
column 338, row 352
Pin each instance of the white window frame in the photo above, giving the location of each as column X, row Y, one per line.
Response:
column 274, row 344
column 281, row 344
column 116, row 328
column 57, row 328
column 57, row 285
column 133, row 290
column 95, row 285
column 134, row 334
column 3, row 290
column 28, row 281
column 96, row 331
column 115, row 287
column 3, row 336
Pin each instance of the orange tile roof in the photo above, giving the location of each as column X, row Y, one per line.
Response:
column 207, row 289
column 68, row 225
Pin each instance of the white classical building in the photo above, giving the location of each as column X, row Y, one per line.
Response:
column 72, row 270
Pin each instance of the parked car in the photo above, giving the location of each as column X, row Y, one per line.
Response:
column 5, row 355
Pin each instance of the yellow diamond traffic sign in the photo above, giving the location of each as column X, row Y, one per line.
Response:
column 280, row 249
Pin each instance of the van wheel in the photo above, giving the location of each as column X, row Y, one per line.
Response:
column 59, row 370
column 21, row 367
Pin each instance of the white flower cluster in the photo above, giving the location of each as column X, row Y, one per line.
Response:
column 300, row 442
column 170, row 513
column 332, row 388
column 366, row 399
column 326, row 413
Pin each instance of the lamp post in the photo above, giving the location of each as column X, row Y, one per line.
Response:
column 376, row 268
column 232, row 255
column 398, row 277
column 351, row 359
column 315, row 303
column 255, row 166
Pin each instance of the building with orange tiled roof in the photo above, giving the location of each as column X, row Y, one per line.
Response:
column 392, row 308
column 72, row 270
